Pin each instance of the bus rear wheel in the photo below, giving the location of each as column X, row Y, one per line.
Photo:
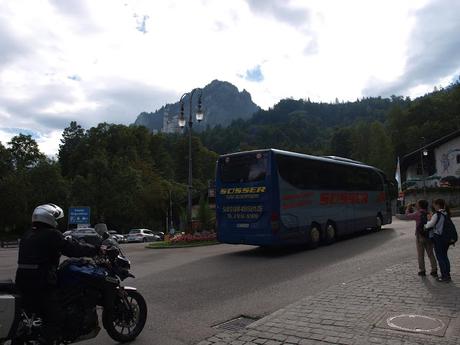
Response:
column 330, row 234
column 314, row 237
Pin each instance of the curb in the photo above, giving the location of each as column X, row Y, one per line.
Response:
column 185, row 246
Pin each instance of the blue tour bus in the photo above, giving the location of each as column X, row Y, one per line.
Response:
column 272, row 197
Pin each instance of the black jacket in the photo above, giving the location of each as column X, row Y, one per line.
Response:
column 40, row 250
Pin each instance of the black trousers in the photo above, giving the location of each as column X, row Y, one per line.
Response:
column 440, row 249
column 45, row 303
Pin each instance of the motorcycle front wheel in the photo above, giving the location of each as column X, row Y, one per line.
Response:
column 128, row 318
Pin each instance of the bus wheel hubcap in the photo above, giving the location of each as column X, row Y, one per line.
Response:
column 314, row 235
column 330, row 232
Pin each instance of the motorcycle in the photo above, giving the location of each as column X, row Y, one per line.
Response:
column 84, row 284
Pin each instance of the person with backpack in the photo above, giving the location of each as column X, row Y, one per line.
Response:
column 422, row 240
column 443, row 233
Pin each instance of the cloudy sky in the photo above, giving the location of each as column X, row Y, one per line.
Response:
column 108, row 60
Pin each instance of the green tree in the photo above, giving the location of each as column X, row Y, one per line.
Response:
column 342, row 142
column 397, row 125
column 15, row 210
column 161, row 158
column 205, row 215
column 361, row 141
column 24, row 151
column 69, row 153
column 6, row 164
column 381, row 153
column 47, row 185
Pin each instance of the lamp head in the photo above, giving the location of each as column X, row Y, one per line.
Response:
column 199, row 112
column 199, row 115
column 181, row 116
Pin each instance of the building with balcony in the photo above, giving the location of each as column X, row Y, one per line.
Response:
column 436, row 164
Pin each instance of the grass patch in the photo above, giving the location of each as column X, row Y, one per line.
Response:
column 166, row 245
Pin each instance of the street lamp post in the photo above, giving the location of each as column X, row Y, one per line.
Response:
column 199, row 117
column 423, row 154
column 169, row 214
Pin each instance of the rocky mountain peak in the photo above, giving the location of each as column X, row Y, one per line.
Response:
column 222, row 103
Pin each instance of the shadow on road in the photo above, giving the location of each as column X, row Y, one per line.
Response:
column 376, row 239
column 243, row 271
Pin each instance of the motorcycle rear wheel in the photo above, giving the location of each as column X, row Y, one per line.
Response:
column 121, row 319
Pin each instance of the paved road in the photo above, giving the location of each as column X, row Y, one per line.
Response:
column 190, row 290
column 393, row 306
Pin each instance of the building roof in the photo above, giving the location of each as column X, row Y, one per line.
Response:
column 431, row 146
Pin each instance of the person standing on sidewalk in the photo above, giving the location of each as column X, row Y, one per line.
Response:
column 435, row 225
column 423, row 242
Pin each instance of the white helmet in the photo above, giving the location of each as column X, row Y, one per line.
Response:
column 48, row 214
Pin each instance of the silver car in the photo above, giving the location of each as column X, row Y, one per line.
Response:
column 119, row 238
column 85, row 235
column 142, row 235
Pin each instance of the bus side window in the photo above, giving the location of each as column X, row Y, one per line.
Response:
column 310, row 175
column 377, row 181
column 300, row 173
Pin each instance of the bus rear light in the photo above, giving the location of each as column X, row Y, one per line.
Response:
column 275, row 222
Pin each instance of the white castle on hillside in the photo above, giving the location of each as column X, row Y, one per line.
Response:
column 170, row 122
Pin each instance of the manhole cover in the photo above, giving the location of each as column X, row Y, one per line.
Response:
column 236, row 324
column 415, row 323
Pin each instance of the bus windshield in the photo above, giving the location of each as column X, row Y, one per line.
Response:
column 243, row 168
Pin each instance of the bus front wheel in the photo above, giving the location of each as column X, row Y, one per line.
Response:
column 330, row 233
column 314, row 236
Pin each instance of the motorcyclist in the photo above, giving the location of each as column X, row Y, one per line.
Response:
column 40, row 250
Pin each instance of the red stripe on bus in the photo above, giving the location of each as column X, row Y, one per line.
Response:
column 297, row 204
column 343, row 198
column 297, row 196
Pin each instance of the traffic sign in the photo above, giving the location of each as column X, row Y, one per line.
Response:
column 79, row 215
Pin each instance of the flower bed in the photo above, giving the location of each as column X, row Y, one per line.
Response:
column 186, row 240
column 191, row 238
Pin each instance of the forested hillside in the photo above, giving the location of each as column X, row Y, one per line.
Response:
column 372, row 130
column 125, row 174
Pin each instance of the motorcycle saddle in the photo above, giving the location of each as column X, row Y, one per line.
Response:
column 7, row 286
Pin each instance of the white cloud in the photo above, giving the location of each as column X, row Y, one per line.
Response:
column 48, row 143
column 108, row 60
column 5, row 137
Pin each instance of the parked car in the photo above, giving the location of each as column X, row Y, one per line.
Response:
column 160, row 234
column 117, row 237
column 142, row 235
column 85, row 235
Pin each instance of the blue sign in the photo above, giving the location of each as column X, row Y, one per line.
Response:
column 79, row 215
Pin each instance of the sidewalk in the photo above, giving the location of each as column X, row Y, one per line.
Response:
column 360, row 311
